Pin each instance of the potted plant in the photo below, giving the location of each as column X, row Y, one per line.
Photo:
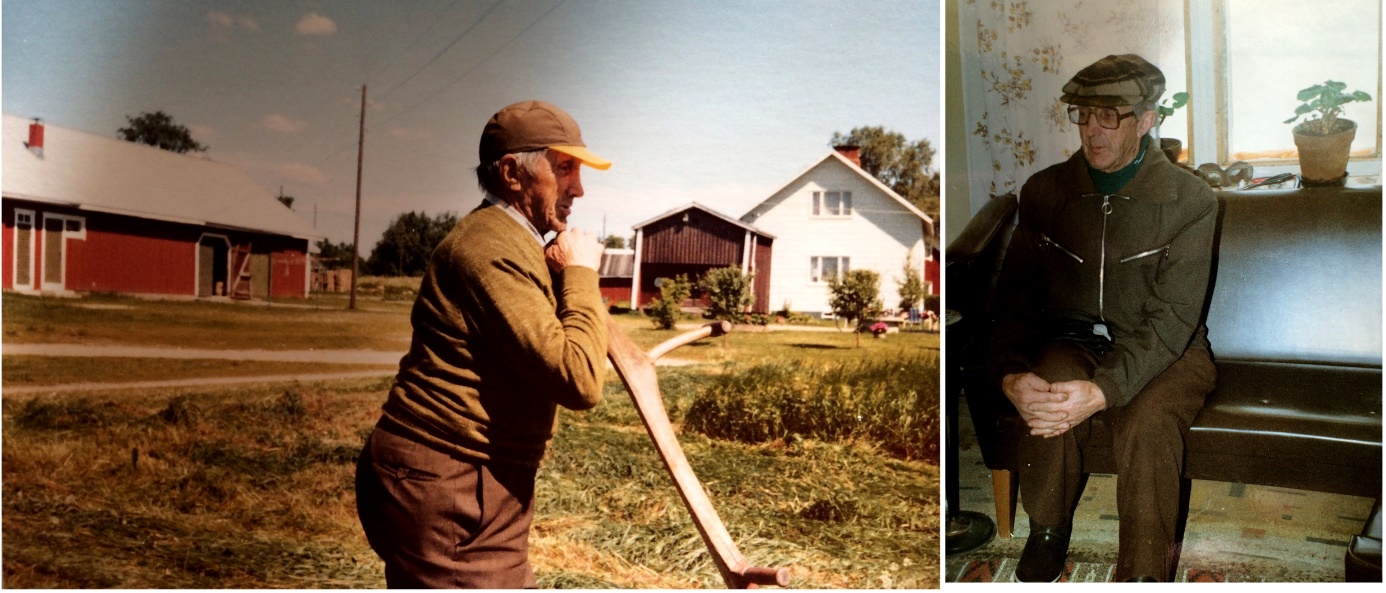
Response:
column 1325, row 138
column 1172, row 147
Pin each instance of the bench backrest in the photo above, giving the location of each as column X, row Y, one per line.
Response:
column 1298, row 277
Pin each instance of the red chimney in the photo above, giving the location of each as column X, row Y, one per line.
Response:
column 853, row 153
column 35, row 143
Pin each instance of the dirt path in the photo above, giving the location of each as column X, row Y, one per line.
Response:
column 310, row 356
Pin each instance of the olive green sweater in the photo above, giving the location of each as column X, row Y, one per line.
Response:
column 498, row 344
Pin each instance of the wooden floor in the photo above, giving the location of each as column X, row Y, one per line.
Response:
column 1235, row 532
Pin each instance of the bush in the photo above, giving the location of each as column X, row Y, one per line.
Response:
column 931, row 303
column 892, row 404
column 665, row 311
column 728, row 292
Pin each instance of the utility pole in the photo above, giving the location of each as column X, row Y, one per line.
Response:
column 356, row 232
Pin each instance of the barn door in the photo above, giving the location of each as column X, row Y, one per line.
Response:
column 53, row 253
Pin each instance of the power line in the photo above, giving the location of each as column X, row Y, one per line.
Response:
column 436, row 19
column 440, row 53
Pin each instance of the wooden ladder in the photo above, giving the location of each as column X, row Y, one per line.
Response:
column 240, row 285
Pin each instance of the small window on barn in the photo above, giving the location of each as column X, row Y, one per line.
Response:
column 73, row 225
column 822, row 268
column 832, row 204
column 24, row 220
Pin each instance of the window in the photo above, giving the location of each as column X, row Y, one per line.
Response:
column 823, row 267
column 1253, row 56
column 832, row 204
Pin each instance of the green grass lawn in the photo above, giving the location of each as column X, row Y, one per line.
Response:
column 27, row 371
column 252, row 486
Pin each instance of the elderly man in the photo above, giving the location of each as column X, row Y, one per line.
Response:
column 1099, row 338
column 505, row 330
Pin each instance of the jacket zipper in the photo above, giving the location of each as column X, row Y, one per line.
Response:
column 1137, row 256
column 1102, row 265
column 1051, row 242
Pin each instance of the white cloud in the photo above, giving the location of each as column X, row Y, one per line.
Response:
column 279, row 123
column 316, row 24
column 301, row 173
column 224, row 20
column 409, row 133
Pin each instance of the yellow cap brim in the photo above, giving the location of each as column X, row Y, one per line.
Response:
column 582, row 154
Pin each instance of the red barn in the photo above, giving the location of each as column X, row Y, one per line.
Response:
column 87, row 213
column 693, row 239
column 618, row 268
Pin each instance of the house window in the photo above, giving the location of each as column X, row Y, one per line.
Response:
column 1256, row 64
column 832, row 204
column 823, row 267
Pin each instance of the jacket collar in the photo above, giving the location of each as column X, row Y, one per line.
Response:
column 1153, row 182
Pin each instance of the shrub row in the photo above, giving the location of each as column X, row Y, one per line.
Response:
column 892, row 404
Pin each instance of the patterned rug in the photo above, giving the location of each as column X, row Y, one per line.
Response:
column 1002, row 570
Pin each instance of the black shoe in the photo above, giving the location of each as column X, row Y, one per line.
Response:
column 1142, row 579
column 1046, row 549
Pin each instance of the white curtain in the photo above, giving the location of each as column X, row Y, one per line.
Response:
column 1016, row 57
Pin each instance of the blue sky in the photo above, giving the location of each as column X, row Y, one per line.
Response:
column 718, row 102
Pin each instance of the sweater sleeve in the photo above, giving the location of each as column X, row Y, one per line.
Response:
column 560, row 354
column 1171, row 312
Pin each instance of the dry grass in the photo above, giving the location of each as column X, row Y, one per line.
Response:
column 253, row 486
column 23, row 371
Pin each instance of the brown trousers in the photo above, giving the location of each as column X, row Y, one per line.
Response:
column 442, row 522
column 1147, row 442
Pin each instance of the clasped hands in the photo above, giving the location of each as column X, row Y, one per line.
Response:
column 1051, row 409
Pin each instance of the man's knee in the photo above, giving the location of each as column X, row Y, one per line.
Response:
column 1064, row 361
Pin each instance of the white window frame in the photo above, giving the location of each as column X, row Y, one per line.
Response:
column 1207, row 29
column 818, row 204
column 14, row 249
column 816, row 277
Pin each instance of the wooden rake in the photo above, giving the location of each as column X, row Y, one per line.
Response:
column 637, row 371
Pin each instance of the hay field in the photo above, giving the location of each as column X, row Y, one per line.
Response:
column 252, row 486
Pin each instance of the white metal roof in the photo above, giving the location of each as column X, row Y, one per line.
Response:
column 102, row 174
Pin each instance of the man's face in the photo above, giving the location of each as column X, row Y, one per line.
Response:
column 1110, row 150
column 549, row 191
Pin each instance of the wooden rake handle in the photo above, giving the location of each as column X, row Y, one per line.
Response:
column 637, row 371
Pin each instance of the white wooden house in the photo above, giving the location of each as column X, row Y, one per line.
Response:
column 833, row 217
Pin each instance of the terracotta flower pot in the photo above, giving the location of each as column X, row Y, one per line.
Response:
column 1172, row 148
column 1323, row 159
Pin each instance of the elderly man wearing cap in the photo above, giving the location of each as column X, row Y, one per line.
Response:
column 506, row 329
column 1099, row 339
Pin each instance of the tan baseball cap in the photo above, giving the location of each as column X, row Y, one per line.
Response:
column 531, row 125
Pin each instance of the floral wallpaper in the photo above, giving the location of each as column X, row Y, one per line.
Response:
column 1016, row 57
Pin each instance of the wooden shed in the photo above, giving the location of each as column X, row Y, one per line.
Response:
column 693, row 239
column 88, row 213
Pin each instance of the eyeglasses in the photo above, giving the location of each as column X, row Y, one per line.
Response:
column 1107, row 117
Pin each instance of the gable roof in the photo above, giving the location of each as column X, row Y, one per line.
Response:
column 617, row 263
column 101, row 174
column 692, row 205
column 833, row 154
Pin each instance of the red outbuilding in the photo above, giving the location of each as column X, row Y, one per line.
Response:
column 88, row 213
column 693, row 239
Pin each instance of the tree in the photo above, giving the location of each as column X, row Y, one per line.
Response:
column 665, row 310
column 157, row 129
column 614, row 242
column 900, row 164
column 406, row 246
column 856, row 298
column 912, row 286
column 729, row 293
column 334, row 256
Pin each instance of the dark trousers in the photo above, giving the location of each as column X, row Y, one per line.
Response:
column 1147, row 442
column 442, row 522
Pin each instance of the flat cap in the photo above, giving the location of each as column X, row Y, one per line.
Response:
column 1115, row 80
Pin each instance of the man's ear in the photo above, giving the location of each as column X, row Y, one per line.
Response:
column 511, row 173
column 1146, row 120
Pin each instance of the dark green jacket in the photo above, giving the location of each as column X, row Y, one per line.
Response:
column 1137, row 260
column 499, row 343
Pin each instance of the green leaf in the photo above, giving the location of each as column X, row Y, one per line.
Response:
column 1335, row 85
column 1180, row 99
column 1361, row 96
column 1303, row 109
column 1309, row 93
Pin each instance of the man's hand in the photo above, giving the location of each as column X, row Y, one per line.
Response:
column 1076, row 402
column 573, row 247
column 1027, row 390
